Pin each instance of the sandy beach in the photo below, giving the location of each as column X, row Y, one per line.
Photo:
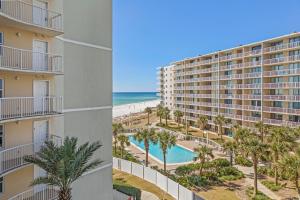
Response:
column 133, row 108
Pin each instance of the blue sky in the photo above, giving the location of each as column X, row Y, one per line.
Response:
column 151, row 33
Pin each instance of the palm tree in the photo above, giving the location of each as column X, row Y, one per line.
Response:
column 147, row 136
column 220, row 121
column 262, row 129
column 254, row 147
column 116, row 129
column 166, row 141
column 166, row 114
column 203, row 154
column 202, row 123
column 148, row 110
column 160, row 112
column 178, row 114
column 64, row 164
column 290, row 165
column 280, row 141
column 123, row 141
column 230, row 146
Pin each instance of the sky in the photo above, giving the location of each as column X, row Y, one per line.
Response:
column 151, row 33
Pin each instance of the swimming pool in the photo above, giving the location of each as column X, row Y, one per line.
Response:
column 175, row 154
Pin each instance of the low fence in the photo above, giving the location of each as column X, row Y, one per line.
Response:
column 169, row 186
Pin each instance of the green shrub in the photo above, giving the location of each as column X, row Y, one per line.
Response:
column 184, row 170
column 220, row 163
column 269, row 171
column 230, row 174
column 184, row 181
column 199, row 181
column 271, row 185
column 126, row 156
column 127, row 189
column 240, row 160
column 259, row 196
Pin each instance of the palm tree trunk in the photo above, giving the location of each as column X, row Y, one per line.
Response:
column 121, row 152
column 159, row 119
column 201, row 168
column 166, row 121
column 148, row 118
column 165, row 162
column 276, row 169
column 147, row 152
column 231, row 158
column 178, row 122
column 65, row 194
column 255, row 177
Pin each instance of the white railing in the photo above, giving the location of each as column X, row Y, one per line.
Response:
column 252, row 75
column 251, row 96
column 236, row 106
column 232, row 66
column 281, row 110
column 281, row 122
column 31, row 14
column 250, row 107
column 254, row 85
column 19, row 107
column 38, row 193
column 252, row 119
column 282, row 72
column 233, row 96
column 282, row 47
column 252, row 53
column 282, row 59
column 282, row 85
column 252, row 63
column 150, row 175
column 27, row 60
column 282, row 97
column 232, row 56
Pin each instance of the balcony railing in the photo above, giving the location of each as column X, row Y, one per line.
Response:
column 235, row 106
column 32, row 15
column 38, row 193
column 24, row 107
column 282, row 72
column 233, row 66
column 251, row 118
column 26, row 60
column 282, row 47
column 282, row 85
column 281, row 122
column 252, row 64
column 281, row 110
column 253, row 52
column 282, row 59
column 250, row 107
column 282, row 97
column 230, row 57
column 12, row 158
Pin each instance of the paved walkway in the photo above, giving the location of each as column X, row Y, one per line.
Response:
column 248, row 171
column 148, row 196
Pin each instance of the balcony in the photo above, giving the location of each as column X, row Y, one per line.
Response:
column 251, row 108
column 252, row 53
column 233, row 66
column 21, row 60
column 282, row 60
column 230, row 77
column 16, row 108
column 252, row 96
column 19, row 14
column 231, row 57
column 282, row 85
column 231, row 106
column 281, row 47
column 251, row 119
column 281, row 122
column 282, row 97
column 281, row 110
column 252, row 64
column 252, row 86
column 282, row 72
column 38, row 193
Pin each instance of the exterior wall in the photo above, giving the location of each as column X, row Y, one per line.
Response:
column 88, row 88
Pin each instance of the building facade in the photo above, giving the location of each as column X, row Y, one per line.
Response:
column 55, row 81
column 165, row 77
column 246, row 84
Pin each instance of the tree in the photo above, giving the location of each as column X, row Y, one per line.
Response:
column 219, row 122
column 166, row 141
column 123, row 141
column 147, row 136
column 178, row 114
column 230, row 147
column 202, row 123
column 290, row 166
column 160, row 112
column 203, row 154
column 253, row 147
column 116, row 129
column 262, row 129
column 280, row 141
column 166, row 114
column 148, row 110
column 64, row 164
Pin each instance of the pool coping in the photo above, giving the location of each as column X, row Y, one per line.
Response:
column 161, row 162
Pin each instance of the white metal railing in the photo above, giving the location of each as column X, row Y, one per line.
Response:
column 282, row 72
column 38, row 193
column 282, row 46
column 251, row 118
column 250, row 107
column 282, row 59
column 282, row 97
column 281, row 110
column 21, row 59
column 232, row 66
column 282, row 85
column 251, row 96
column 252, row 63
column 236, row 106
column 254, row 85
column 232, row 56
column 281, row 122
column 19, row 107
column 31, row 14
column 252, row 53
column 233, row 96
column 252, row 75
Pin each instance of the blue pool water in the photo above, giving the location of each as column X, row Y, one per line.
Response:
column 175, row 154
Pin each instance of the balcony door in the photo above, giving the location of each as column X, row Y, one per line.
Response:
column 39, row 55
column 40, row 134
column 40, row 13
column 40, row 94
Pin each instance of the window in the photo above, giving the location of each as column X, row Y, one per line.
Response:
column 294, row 118
column 294, row 53
column 276, row 116
column 294, row 105
column 228, row 73
column 1, row 185
column 255, row 59
column 255, row 114
column 256, row 48
column 255, row 69
column 255, row 81
column 278, row 67
column 1, row 39
column 293, row 66
column 228, row 101
column 277, row 80
column 294, row 92
column 1, row 136
column 1, row 88
column 276, row 43
column 296, row 39
column 294, row 79
column 277, row 104
column 256, row 92
column 277, row 55
column 276, row 92
column 255, row 103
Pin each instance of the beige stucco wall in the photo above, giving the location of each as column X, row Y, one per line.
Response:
column 17, row 182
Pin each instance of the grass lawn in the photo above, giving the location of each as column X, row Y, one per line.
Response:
column 218, row 192
column 141, row 184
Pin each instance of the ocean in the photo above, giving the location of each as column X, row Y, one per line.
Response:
column 121, row 98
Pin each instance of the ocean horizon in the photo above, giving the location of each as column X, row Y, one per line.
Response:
column 122, row 98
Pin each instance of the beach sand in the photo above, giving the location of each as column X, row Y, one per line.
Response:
column 133, row 108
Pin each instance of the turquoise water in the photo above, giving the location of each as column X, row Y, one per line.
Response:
column 120, row 98
column 175, row 154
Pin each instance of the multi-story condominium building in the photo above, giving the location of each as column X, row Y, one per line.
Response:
column 247, row 84
column 55, row 81
column 165, row 76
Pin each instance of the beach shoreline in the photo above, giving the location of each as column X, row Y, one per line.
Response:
column 127, row 109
